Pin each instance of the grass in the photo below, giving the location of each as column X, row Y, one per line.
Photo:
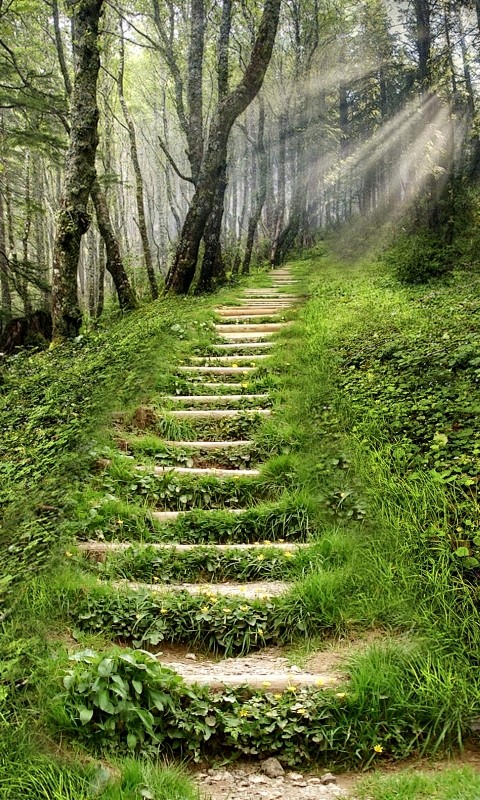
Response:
column 460, row 783
column 358, row 465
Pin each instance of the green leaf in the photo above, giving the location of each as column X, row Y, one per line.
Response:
column 131, row 741
column 105, row 667
column 86, row 714
column 462, row 552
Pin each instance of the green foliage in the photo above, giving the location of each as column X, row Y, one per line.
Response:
column 291, row 518
column 128, row 699
column 417, row 257
column 202, row 564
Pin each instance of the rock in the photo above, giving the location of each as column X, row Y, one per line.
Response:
column 314, row 781
column 191, row 656
column 295, row 776
column 221, row 776
column 328, row 779
column 272, row 768
column 257, row 779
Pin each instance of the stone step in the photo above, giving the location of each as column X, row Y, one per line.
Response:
column 250, row 315
column 217, row 398
column 218, row 370
column 203, row 471
column 260, row 590
column 171, row 516
column 268, row 670
column 245, row 337
column 217, row 413
column 232, row 385
column 231, row 358
column 256, row 328
column 243, row 345
column 211, row 445
column 270, row 292
column 102, row 549
column 259, row 302
column 246, row 311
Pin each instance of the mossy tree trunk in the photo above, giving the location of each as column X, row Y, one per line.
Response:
column 73, row 219
column 114, row 264
column 139, row 194
column 228, row 109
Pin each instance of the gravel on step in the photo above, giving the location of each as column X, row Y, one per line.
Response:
column 266, row 670
column 249, row 782
column 257, row 590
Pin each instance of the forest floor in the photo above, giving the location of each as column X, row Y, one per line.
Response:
column 292, row 528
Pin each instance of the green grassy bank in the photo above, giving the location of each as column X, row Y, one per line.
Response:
column 376, row 436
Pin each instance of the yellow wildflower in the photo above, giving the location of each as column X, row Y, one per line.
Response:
column 164, row 611
column 277, row 696
column 243, row 608
column 378, row 748
column 320, row 682
column 292, row 688
column 340, row 695
column 235, row 366
column 68, row 554
column 267, row 541
column 119, row 521
column 288, row 554
column 266, row 684
column 204, row 609
column 301, row 711
column 243, row 712
column 226, row 610
column 245, row 385
column 260, row 557
column 260, row 631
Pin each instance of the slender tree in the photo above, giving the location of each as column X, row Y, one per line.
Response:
column 73, row 219
column 182, row 271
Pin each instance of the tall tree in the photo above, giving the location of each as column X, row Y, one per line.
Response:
column 73, row 219
column 182, row 271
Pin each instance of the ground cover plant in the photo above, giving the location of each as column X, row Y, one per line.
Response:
column 334, row 479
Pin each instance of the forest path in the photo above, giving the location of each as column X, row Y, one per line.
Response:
column 219, row 402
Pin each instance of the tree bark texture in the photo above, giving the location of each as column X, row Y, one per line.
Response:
column 73, row 220
column 261, row 189
column 182, row 271
column 114, row 264
column 142, row 224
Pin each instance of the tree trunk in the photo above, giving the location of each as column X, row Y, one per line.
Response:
column 73, row 219
column 183, row 269
column 281, row 186
column 195, row 86
column 212, row 272
column 261, row 191
column 142, row 224
column 114, row 264
column 6, row 297
column 213, row 267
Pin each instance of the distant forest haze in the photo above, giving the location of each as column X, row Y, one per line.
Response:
column 165, row 146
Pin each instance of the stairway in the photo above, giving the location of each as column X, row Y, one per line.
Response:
column 249, row 558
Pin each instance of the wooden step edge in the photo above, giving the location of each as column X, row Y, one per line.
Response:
column 218, row 370
column 242, row 345
column 217, row 413
column 260, row 328
column 217, row 398
column 232, row 358
column 171, row 516
column 261, row 590
column 213, row 471
column 211, row 445
column 268, row 682
column 100, row 548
